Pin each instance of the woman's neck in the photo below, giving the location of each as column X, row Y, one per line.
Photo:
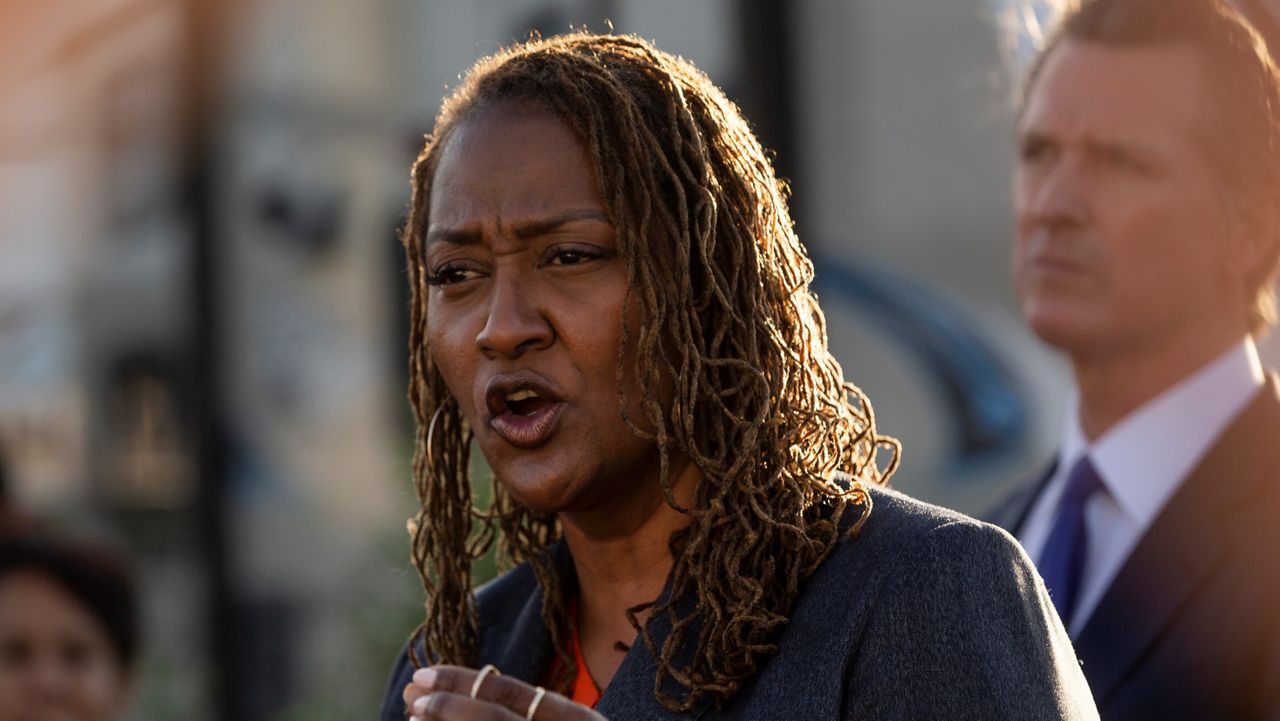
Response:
column 620, row 569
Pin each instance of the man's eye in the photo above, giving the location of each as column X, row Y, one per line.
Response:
column 1035, row 150
column 1124, row 161
column 451, row 274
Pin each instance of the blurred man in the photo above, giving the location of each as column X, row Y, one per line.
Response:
column 1146, row 251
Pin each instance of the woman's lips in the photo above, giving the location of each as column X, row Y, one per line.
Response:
column 528, row 431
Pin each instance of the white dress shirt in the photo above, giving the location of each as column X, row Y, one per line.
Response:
column 1142, row 460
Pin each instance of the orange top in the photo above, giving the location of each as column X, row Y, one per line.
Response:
column 584, row 687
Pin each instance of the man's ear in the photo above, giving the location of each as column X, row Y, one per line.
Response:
column 1255, row 233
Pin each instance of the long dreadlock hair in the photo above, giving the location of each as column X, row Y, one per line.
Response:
column 759, row 404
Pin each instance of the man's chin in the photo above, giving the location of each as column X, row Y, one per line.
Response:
column 1063, row 331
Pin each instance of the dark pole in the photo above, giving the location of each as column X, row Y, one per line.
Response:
column 769, row 84
column 203, row 41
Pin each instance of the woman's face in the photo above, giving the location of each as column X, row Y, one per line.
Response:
column 56, row 660
column 525, row 311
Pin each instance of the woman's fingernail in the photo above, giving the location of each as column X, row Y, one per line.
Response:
column 420, row 705
column 425, row 677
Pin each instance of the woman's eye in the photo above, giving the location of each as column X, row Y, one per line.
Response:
column 571, row 256
column 451, row 275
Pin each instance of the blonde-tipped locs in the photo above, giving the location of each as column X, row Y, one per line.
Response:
column 729, row 322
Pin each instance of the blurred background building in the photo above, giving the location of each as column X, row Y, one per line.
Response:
column 202, row 302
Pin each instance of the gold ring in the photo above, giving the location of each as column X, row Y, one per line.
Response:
column 538, row 693
column 487, row 669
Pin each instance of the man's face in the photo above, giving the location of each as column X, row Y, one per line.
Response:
column 1120, row 218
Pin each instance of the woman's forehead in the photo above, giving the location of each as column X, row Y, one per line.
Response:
column 504, row 168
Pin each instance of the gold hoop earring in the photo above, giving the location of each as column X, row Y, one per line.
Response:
column 412, row 524
column 431, row 432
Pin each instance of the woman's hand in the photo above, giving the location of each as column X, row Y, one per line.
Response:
column 444, row 693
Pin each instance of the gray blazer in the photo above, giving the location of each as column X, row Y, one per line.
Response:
column 928, row 614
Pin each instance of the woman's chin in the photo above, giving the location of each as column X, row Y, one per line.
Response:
column 538, row 492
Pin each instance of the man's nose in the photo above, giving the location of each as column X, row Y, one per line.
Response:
column 515, row 322
column 1058, row 198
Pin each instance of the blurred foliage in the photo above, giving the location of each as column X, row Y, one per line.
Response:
column 385, row 606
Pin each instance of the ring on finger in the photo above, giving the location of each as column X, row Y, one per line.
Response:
column 487, row 669
column 538, row 693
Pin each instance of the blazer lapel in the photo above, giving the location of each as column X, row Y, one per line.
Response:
column 630, row 695
column 1187, row 541
column 517, row 641
column 523, row 649
column 519, row 644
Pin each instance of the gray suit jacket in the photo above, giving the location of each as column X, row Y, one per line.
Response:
column 1189, row 629
column 926, row 615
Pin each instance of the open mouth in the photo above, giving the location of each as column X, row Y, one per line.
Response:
column 525, row 402
column 523, row 409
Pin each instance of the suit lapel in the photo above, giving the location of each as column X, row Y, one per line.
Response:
column 1012, row 514
column 1184, row 544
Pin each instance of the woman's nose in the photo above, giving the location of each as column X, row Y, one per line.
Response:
column 515, row 322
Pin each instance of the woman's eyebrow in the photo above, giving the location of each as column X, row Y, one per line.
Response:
column 458, row 236
column 534, row 228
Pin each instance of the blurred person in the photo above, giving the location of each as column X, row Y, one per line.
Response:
column 68, row 627
column 4, row 485
column 609, row 298
column 1146, row 251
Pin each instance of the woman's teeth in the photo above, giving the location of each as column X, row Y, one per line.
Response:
column 524, row 402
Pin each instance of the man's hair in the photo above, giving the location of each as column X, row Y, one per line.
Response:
column 1241, row 109
column 759, row 405
column 99, row 580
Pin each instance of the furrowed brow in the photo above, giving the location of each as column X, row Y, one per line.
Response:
column 535, row 228
column 455, row 236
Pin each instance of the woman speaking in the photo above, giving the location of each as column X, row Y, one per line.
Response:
column 610, row 301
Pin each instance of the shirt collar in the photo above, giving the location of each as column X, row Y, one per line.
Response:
column 1144, row 458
